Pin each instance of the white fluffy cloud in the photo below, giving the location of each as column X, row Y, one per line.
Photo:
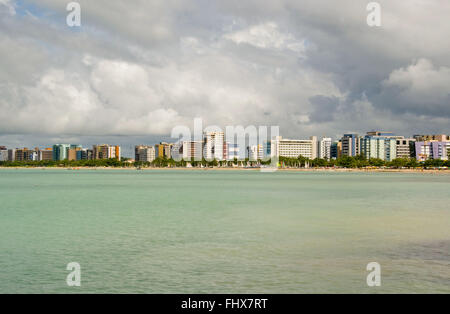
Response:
column 420, row 87
column 267, row 36
column 421, row 79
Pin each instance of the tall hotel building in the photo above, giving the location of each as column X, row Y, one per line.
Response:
column 381, row 145
column 146, row 153
column 105, row 151
column 336, row 150
column 324, row 148
column 60, row 151
column 213, row 146
column 294, row 148
column 163, row 150
column 350, row 145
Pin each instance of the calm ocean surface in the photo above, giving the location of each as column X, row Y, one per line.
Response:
column 188, row 231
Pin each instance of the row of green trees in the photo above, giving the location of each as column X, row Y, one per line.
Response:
column 67, row 163
column 300, row 162
column 361, row 161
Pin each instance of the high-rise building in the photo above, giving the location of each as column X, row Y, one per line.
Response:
column 159, row 150
column 324, row 148
column 3, row 154
column 187, row 150
column 11, row 154
column 294, row 148
column 60, row 151
column 213, row 145
column 46, row 154
column 405, row 147
column 336, row 150
column 350, row 145
column 22, row 154
column 379, row 145
column 33, row 155
column 72, row 154
column 136, row 151
column 163, row 150
column 382, row 145
column 80, row 153
column 147, row 154
column 255, row 152
column 432, row 150
column 105, row 151
column 252, row 152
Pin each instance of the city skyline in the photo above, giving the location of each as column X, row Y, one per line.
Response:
column 382, row 145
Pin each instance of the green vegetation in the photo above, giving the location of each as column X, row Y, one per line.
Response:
column 66, row 163
column 300, row 162
column 361, row 162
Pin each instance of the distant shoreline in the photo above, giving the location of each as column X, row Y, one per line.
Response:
column 355, row 170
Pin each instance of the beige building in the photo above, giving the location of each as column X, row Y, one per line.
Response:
column 405, row 147
column 46, row 154
column 294, row 148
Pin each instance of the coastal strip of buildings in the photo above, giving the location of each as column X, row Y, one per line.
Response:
column 375, row 144
column 61, row 152
column 385, row 146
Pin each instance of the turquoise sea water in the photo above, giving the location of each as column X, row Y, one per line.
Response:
column 188, row 231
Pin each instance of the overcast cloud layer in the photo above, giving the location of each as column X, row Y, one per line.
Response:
column 137, row 68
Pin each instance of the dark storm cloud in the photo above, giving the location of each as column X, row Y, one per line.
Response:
column 324, row 108
column 139, row 68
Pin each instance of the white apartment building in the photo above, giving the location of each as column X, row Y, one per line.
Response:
column 4, row 155
column 294, row 148
column 213, row 146
column 324, row 148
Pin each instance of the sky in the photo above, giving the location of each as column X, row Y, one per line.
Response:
column 135, row 69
